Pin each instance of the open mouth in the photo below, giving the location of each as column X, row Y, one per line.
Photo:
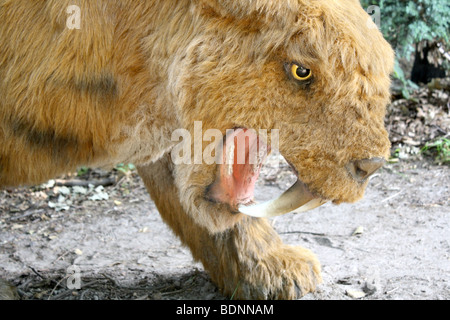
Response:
column 243, row 154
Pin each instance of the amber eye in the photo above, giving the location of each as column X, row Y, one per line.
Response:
column 300, row 73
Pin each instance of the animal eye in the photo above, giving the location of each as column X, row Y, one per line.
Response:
column 300, row 73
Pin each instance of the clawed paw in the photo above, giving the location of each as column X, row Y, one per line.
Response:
column 288, row 273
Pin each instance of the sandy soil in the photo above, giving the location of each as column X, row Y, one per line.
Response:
column 394, row 244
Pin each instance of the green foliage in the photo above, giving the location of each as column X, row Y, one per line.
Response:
column 82, row 171
column 440, row 149
column 125, row 168
column 405, row 23
column 407, row 85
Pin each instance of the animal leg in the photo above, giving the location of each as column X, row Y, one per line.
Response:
column 247, row 261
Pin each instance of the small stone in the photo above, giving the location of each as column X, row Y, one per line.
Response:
column 355, row 294
column 144, row 230
column 358, row 231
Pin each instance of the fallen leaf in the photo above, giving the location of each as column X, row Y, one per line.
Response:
column 62, row 190
column 79, row 190
column 60, row 206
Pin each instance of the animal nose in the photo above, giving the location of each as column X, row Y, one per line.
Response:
column 360, row 170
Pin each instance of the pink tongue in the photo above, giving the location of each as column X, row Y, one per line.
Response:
column 240, row 170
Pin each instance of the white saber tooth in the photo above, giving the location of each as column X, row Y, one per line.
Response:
column 313, row 204
column 297, row 198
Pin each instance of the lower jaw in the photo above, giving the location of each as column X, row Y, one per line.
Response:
column 235, row 181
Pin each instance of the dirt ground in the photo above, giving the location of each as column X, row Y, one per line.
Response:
column 394, row 244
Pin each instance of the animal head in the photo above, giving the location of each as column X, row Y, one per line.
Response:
column 318, row 71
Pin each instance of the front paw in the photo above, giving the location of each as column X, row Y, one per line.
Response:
column 286, row 273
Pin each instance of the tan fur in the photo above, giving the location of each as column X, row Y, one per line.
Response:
column 115, row 90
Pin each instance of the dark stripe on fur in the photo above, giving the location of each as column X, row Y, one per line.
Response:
column 44, row 138
column 103, row 86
